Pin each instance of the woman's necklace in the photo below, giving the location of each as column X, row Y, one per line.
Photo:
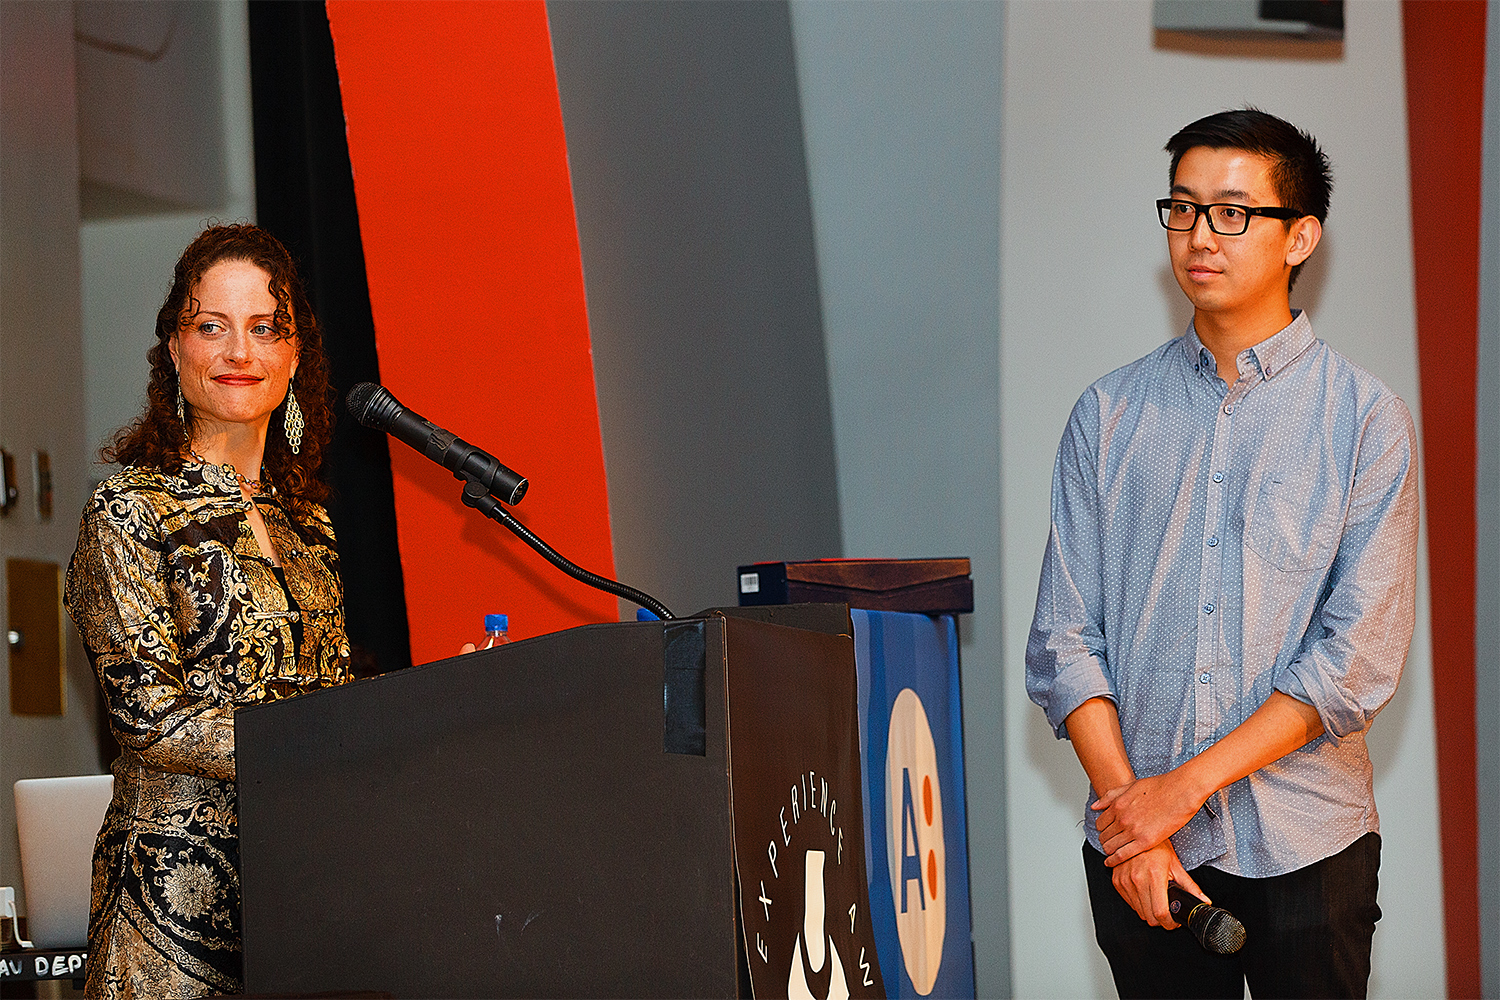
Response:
column 253, row 485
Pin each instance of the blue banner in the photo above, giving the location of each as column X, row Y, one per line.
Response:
column 916, row 834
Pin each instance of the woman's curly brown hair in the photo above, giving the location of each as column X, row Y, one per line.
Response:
column 157, row 439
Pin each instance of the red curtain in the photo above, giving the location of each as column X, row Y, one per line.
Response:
column 466, row 212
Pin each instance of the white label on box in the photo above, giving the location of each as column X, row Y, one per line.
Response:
column 749, row 583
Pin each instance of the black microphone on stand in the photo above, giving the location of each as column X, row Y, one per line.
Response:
column 487, row 483
column 1216, row 929
column 374, row 406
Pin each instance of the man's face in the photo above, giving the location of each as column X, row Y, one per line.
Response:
column 1226, row 276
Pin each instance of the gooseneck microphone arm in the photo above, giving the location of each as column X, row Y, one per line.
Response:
column 488, row 485
column 476, row 496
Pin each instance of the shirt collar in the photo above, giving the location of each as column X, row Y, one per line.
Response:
column 1272, row 355
column 218, row 478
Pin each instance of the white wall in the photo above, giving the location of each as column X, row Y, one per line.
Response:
column 76, row 317
column 41, row 384
column 901, row 114
column 128, row 260
column 1085, row 288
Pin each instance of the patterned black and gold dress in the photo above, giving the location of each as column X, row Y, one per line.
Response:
column 184, row 620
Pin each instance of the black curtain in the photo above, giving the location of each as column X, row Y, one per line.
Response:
column 304, row 194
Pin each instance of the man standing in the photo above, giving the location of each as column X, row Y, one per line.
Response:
column 1226, row 598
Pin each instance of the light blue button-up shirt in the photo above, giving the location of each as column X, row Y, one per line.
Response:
column 1214, row 542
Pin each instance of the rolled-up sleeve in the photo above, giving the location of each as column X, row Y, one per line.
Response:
column 1065, row 653
column 1351, row 660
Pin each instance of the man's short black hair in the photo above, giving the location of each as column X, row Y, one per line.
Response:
column 1300, row 171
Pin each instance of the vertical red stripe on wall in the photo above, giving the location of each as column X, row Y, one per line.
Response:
column 1445, row 116
column 466, row 213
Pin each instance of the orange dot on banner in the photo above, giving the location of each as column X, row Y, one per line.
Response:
column 927, row 797
column 932, row 874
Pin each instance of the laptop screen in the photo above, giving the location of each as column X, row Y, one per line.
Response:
column 57, row 820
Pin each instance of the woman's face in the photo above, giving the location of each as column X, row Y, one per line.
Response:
column 233, row 365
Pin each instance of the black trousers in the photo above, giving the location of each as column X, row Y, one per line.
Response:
column 1308, row 932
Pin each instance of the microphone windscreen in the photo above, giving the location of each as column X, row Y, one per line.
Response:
column 1216, row 930
column 358, row 400
column 1220, row 932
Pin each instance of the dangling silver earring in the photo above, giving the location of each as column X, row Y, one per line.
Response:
column 293, row 424
column 181, row 412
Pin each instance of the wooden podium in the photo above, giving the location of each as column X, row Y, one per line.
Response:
column 643, row 809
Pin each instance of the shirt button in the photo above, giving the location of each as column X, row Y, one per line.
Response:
column 1208, row 609
column 1213, row 540
column 1218, row 477
column 1205, row 677
column 1229, row 408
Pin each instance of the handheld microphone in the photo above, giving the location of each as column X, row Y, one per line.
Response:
column 374, row 406
column 1216, row 929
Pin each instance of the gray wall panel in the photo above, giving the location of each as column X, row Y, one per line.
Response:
column 1487, row 579
column 685, row 143
column 901, row 108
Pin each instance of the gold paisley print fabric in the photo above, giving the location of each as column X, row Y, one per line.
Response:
column 184, row 620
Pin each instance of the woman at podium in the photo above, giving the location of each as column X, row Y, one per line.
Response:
column 205, row 578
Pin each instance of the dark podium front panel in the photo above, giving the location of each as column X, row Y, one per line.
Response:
column 507, row 823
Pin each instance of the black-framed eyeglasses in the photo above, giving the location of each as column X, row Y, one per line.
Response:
column 1227, row 220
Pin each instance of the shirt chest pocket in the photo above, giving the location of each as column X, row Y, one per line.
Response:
column 1294, row 525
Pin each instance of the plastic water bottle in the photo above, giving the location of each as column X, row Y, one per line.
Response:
column 495, row 627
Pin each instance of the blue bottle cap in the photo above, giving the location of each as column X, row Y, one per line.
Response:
column 496, row 623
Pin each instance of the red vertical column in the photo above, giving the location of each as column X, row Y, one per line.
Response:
column 1445, row 116
column 466, row 213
